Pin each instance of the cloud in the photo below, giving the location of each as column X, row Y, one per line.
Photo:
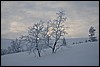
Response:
column 17, row 27
column 18, row 15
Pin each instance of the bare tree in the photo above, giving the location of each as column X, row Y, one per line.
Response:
column 36, row 31
column 58, row 28
column 47, row 34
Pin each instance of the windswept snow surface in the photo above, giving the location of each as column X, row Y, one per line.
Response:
column 84, row 54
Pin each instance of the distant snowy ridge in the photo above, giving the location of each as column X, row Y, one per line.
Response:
column 7, row 42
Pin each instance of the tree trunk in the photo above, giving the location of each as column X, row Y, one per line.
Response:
column 53, row 49
column 37, row 48
column 38, row 52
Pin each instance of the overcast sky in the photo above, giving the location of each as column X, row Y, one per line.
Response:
column 16, row 16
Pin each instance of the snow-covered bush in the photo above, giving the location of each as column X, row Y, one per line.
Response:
column 86, row 41
column 64, row 42
column 3, row 51
column 73, row 43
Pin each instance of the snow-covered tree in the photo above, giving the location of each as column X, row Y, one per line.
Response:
column 92, row 34
column 26, row 41
column 36, row 32
column 16, row 47
column 58, row 28
column 47, row 34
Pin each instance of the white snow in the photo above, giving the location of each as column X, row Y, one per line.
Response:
column 84, row 54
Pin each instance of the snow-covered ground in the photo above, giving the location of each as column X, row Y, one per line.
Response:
column 83, row 54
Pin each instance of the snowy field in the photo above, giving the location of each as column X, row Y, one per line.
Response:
column 83, row 54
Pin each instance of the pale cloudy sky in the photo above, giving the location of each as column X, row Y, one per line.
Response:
column 16, row 16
